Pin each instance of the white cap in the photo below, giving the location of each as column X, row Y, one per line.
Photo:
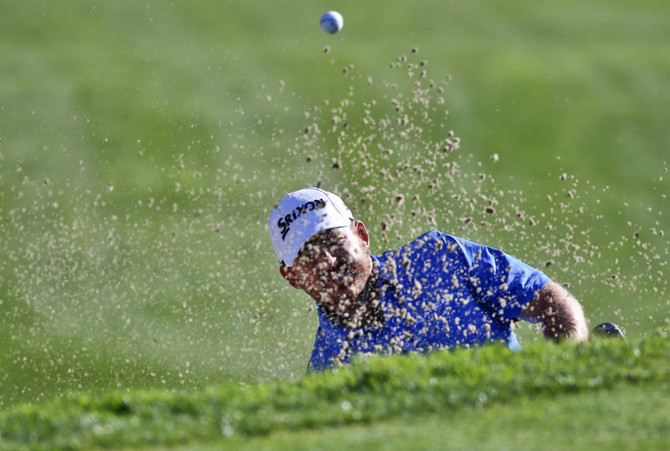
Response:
column 301, row 215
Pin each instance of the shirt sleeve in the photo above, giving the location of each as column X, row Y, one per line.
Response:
column 499, row 282
column 327, row 346
column 320, row 355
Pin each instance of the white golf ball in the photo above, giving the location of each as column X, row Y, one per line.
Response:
column 332, row 22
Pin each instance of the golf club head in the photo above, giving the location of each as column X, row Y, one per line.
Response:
column 609, row 330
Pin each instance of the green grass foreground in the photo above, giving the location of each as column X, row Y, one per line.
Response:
column 495, row 382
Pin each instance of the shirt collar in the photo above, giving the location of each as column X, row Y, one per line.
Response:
column 387, row 284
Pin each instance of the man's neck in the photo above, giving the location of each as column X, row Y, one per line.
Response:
column 373, row 313
column 368, row 311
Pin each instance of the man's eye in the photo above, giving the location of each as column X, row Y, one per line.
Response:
column 312, row 251
column 335, row 242
column 319, row 248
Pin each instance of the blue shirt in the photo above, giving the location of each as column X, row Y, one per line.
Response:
column 436, row 292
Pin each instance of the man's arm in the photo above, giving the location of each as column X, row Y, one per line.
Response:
column 560, row 314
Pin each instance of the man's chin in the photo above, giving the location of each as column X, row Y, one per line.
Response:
column 335, row 296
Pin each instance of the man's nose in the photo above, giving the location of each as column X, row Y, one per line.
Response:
column 329, row 258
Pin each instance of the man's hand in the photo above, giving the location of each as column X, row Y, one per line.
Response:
column 560, row 314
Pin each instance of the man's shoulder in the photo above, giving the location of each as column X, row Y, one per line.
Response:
column 428, row 242
column 433, row 239
column 436, row 235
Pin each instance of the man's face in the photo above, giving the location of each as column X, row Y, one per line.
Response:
column 332, row 268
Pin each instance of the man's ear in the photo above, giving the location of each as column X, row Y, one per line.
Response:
column 290, row 276
column 362, row 233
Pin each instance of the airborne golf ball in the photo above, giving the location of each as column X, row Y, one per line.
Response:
column 332, row 22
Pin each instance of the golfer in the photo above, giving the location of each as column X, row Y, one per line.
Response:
column 437, row 292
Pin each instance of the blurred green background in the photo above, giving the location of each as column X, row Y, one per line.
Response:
column 144, row 143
